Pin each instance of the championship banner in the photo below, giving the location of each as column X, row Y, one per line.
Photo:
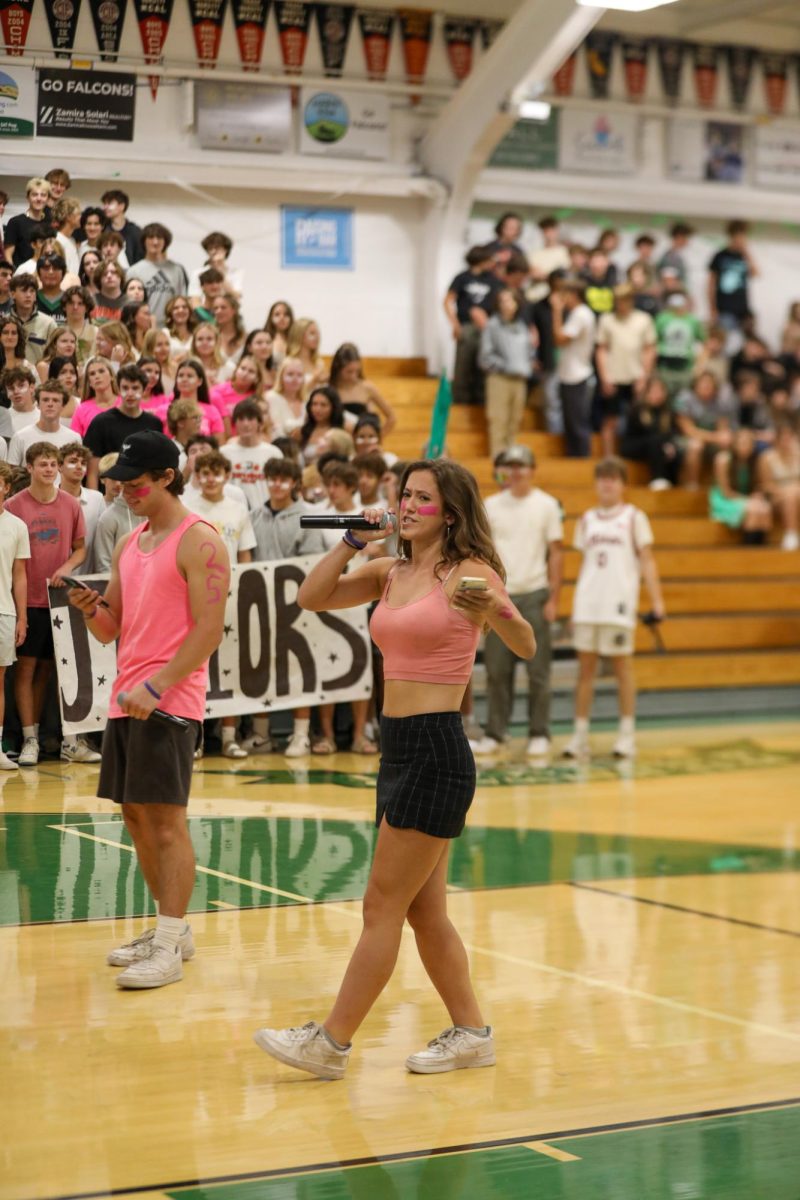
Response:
column 334, row 22
column 459, row 38
column 250, row 19
column 376, row 26
column 108, row 18
column 564, row 78
column 671, row 54
column 416, row 28
column 599, row 47
column 293, row 17
column 705, row 74
column 776, row 71
column 634, row 60
column 273, row 655
column 489, row 31
column 62, row 17
column 153, row 17
column 207, row 17
column 740, row 72
column 15, row 20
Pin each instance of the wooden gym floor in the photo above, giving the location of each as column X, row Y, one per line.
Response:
column 634, row 935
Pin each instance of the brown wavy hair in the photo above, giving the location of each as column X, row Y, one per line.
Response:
column 469, row 536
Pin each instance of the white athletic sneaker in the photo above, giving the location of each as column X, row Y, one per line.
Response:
column 79, row 751
column 625, row 746
column 454, row 1050
column 198, row 754
column 29, row 754
column 233, row 750
column 159, row 967
column 576, row 747
column 299, row 746
column 484, row 745
column 790, row 541
column 659, row 485
column 306, row 1047
column 6, row 763
column 538, row 747
column 139, row 948
column 256, row 744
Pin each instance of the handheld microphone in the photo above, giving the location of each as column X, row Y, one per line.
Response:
column 160, row 715
column 335, row 521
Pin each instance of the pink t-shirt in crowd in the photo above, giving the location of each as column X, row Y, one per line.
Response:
column 210, row 423
column 225, row 397
column 86, row 412
column 53, row 529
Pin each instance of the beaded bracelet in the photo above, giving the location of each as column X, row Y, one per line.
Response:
column 353, row 542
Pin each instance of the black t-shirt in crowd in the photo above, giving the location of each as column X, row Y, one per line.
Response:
column 474, row 291
column 17, row 234
column 600, row 291
column 731, row 270
column 131, row 234
column 109, row 430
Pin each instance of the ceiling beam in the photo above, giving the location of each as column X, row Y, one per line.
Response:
column 700, row 17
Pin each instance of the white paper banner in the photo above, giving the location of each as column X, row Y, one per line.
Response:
column 17, row 100
column 777, row 157
column 274, row 655
column 597, row 141
column 344, row 124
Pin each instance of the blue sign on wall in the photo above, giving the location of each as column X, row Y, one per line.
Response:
column 317, row 237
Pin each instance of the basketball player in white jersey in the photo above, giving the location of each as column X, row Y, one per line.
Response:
column 616, row 541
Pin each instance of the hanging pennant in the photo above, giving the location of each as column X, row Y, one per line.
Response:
column 334, row 22
column 207, row 17
column 671, row 53
column 776, row 71
column 599, row 47
column 62, row 17
column 705, row 74
column 376, row 26
column 153, row 17
column 416, row 27
column 459, row 38
column 634, row 59
column 108, row 17
column 740, row 71
column 250, row 19
column 15, row 20
column 293, row 18
column 489, row 31
column 564, row 78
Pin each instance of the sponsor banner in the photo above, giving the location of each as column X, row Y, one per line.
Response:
column 416, row 28
column 334, row 22
column 705, row 74
column 293, row 18
column 710, row 151
column 489, row 31
column 153, row 18
column 671, row 53
column 317, row 238
column 564, row 78
column 529, row 146
column 599, row 48
column 273, row 655
column 376, row 26
column 344, row 124
column 207, row 17
column 86, row 104
column 108, row 17
column 776, row 158
column 15, row 21
column 634, row 60
column 776, row 72
column 459, row 39
column 597, row 141
column 17, row 101
column 62, row 17
column 241, row 116
column 740, row 72
column 250, row 19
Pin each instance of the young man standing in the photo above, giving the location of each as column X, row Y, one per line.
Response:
column 248, row 453
column 165, row 603
column 110, row 429
column 20, row 388
column 38, row 326
column 574, row 333
column 529, row 537
column 468, row 302
column 6, row 271
column 14, row 552
column 162, row 278
column 57, row 533
column 16, row 239
column 729, row 274
column 67, row 218
column 73, row 463
column 115, row 206
column 617, row 546
column 51, row 397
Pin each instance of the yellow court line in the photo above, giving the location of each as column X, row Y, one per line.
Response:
column 225, row 904
column 552, row 1152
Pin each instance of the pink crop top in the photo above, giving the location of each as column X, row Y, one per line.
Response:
column 426, row 640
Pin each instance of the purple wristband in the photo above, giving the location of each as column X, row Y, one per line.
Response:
column 353, row 542
column 152, row 690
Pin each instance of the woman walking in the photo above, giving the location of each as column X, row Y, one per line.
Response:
column 427, row 624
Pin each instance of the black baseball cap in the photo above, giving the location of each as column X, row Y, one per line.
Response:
column 143, row 452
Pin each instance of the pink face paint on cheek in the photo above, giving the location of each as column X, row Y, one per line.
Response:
column 428, row 510
column 141, row 492
column 403, row 505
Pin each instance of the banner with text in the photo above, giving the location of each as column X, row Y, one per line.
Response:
column 108, row 18
column 62, row 17
column 15, row 21
column 153, row 18
column 334, row 22
column 86, row 104
column 250, row 19
column 207, row 17
column 274, row 655
column 17, row 101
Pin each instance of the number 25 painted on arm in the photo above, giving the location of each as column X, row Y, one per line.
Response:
column 216, row 572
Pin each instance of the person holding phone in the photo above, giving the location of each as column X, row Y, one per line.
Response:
column 165, row 604
column 433, row 601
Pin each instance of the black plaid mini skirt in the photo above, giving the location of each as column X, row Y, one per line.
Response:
column 426, row 779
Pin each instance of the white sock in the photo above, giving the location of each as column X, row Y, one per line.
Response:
column 168, row 930
column 30, row 731
column 627, row 725
column 582, row 726
column 302, row 726
column 228, row 734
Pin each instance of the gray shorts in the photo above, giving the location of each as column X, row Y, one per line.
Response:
column 8, row 649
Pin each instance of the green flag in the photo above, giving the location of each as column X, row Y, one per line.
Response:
column 439, row 418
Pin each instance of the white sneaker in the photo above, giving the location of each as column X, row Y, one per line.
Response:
column 233, row 750
column 454, row 1050
column 299, row 745
column 576, row 747
column 790, row 541
column 484, row 745
column 198, row 754
column 29, row 754
column 624, row 746
column 159, row 967
column 257, row 744
column 538, row 747
column 139, row 948
column 79, row 751
column 6, row 763
column 306, row 1047
column 659, row 485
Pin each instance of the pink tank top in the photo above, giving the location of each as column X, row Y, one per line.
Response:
column 156, row 619
column 426, row 640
